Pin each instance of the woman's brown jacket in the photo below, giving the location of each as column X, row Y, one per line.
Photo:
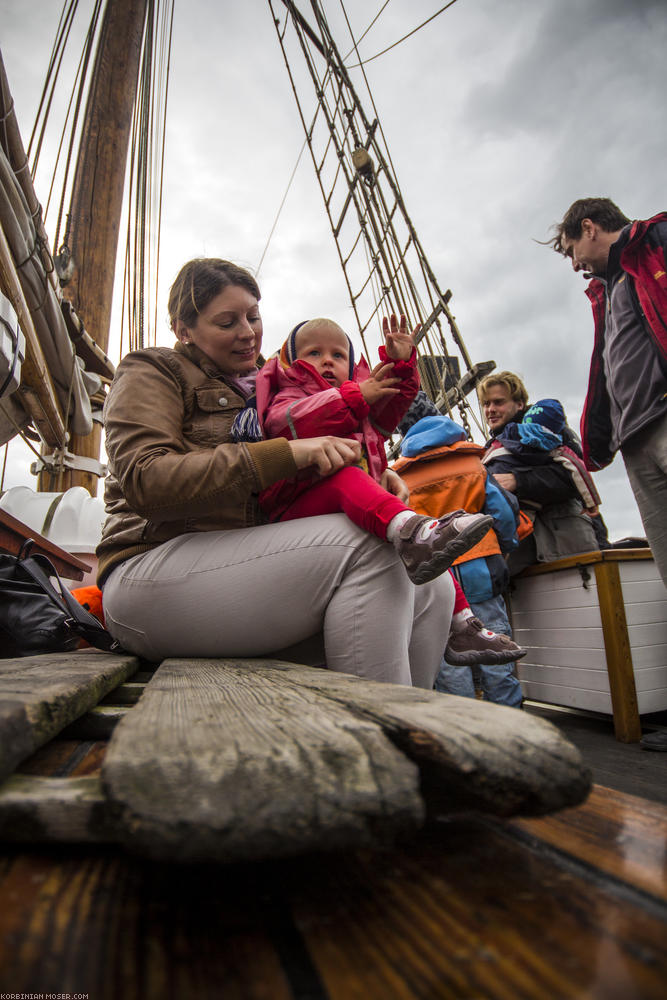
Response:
column 172, row 467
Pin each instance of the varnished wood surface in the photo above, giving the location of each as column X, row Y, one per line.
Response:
column 618, row 653
column 13, row 533
column 468, row 909
column 623, row 836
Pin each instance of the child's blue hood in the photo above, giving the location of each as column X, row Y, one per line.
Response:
column 431, row 432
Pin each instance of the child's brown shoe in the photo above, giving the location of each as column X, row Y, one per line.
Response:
column 478, row 644
column 428, row 554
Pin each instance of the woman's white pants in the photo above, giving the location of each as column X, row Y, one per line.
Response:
column 254, row 591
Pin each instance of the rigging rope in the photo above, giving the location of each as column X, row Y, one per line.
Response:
column 414, row 30
column 282, row 204
column 364, row 33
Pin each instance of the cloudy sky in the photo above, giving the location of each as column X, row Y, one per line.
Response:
column 497, row 115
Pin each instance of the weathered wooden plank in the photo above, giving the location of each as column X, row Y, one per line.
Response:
column 478, row 755
column 227, row 763
column 57, row 810
column 40, row 695
column 244, row 759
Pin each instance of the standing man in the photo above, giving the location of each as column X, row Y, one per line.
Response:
column 626, row 403
column 548, row 491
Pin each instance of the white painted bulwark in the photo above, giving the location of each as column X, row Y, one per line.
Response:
column 556, row 615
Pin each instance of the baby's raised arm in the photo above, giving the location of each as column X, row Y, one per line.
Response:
column 398, row 342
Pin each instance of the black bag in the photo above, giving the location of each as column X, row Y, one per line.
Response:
column 35, row 617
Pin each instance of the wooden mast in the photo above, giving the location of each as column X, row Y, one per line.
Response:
column 97, row 194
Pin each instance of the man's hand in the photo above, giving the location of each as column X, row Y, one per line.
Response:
column 379, row 384
column 506, row 480
column 398, row 342
column 392, row 483
column 328, row 454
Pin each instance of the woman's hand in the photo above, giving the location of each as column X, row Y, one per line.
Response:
column 379, row 384
column 392, row 483
column 328, row 454
column 398, row 342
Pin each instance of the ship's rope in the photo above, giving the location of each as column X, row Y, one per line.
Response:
column 364, row 33
column 465, row 411
column 409, row 34
column 280, row 208
column 70, row 126
column 140, row 292
column 142, row 245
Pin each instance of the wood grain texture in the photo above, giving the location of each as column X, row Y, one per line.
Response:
column 622, row 835
column 468, row 911
column 40, row 695
column 472, row 753
column 224, row 762
column 229, row 760
column 468, row 908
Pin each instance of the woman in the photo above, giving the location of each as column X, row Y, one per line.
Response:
column 187, row 566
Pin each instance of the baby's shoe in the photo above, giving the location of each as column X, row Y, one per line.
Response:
column 428, row 547
column 475, row 643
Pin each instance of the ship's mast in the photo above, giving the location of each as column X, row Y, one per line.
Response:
column 97, row 195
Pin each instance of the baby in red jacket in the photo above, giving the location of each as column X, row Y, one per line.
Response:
column 315, row 388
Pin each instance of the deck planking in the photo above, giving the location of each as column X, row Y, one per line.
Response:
column 621, row 835
column 40, row 695
column 622, row 766
column 571, row 904
column 469, row 908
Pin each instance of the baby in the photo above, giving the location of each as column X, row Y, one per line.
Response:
column 315, row 388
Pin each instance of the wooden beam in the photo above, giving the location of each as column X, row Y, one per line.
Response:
column 13, row 534
column 627, row 725
column 97, row 192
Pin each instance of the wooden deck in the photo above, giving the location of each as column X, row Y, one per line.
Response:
column 621, row 766
column 471, row 906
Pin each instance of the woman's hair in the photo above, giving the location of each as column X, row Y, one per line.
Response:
column 199, row 281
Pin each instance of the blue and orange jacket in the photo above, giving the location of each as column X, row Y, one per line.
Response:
column 444, row 472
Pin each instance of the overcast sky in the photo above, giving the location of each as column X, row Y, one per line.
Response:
column 497, row 115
